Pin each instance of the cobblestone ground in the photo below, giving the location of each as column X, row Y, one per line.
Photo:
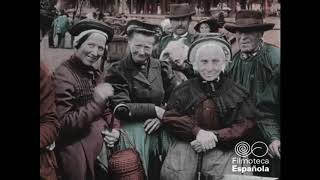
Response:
column 52, row 57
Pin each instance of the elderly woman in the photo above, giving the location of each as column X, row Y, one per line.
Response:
column 141, row 83
column 82, row 103
column 207, row 115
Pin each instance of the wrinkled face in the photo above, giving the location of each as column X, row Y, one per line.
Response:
column 204, row 28
column 92, row 49
column 211, row 61
column 141, row 47
column 180, row 25
column 248, row 41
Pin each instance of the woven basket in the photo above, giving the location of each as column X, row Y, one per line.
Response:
column 126, row 164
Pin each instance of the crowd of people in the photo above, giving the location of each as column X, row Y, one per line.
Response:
column 62, row 23
column 183, row 100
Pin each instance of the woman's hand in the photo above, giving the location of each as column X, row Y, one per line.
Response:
column 102, row 92
column 111, row 137
column 207, row 139
column 151, row 125
column 196, row 146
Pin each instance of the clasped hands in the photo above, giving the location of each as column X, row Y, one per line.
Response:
column 205, row 140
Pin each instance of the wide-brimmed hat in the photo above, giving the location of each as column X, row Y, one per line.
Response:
column 180, row 10
column 141, row 26
column 212, row 22
column 91, row 24
column 214, row 39
column 247, row 21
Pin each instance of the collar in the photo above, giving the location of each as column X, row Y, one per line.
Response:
column 245, row 56
column 211, row 87
column 177, row 36
column 130, row 65
column 216, row 80
column 82, row 67
column 138, row 66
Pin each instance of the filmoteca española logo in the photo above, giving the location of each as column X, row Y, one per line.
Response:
column 258, row 149
column 244, row 164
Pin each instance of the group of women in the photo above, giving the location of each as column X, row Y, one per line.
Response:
column 171, row 123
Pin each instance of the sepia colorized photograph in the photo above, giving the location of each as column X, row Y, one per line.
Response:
column 160, row 90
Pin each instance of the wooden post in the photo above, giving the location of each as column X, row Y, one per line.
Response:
column 82, row 1
column 266, row 8
column 233, row 5
column 138, row 5
column 116, row 6
column 146, row 7
column 154, row 7
column 199, row 7
column 206, row 7
column 163, row 6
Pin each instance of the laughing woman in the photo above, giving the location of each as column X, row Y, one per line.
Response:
column 141, row 83
column 207, row 115
column 82, row 103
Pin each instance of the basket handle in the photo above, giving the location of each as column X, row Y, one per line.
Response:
column 125, row 135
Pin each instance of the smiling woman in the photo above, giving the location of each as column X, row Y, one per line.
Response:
column 81, row 102
column 141, row 84
column 211, row 61
column 206, row 115
column 91, row 49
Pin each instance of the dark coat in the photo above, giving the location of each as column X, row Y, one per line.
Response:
column 49, row 126
column 257, row 71
column 139, row 93
column 227, row 109
column 260, row 74
column 269, row 110
column 141, row 88
column 82, row 119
